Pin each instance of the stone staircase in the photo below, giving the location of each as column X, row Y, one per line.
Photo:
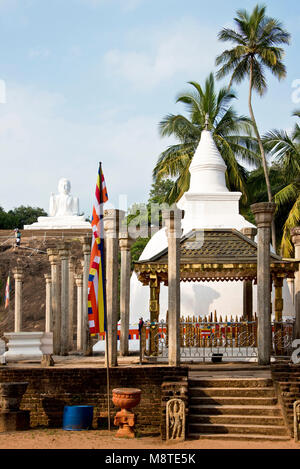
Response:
column 235, row 408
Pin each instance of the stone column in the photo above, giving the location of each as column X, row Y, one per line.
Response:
column 278, row 284
column 79, row 283
column 295, row 232
column 112, row 221
column 263, row 213
column 48, row 312
column 64, row 253
column 172, row 219
column 72, row 263
column 18, row 276
column 86, row 248
column 125, row 243
column 247, row 284
column 55, row 298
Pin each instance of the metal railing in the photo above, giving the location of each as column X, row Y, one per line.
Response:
column 235, row 341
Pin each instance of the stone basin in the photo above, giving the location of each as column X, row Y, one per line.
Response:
column 126, row 398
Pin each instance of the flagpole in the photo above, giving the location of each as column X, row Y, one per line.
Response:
column 107, row 380
column 106, row 332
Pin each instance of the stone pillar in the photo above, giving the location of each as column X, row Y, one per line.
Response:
column 112, row 221
column 263, row 213
column 55, row 298
column 48, row 312
column 79, row 283
column 18, row 276
column 247, row 284
column 295, row 232
column 72, row 263
column 86, row 248
column 278, row 284
column 125, row 243
column 64, row 254
column 172, row 219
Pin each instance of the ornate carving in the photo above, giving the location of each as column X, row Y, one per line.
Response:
column 175, row 419
column 296, row 420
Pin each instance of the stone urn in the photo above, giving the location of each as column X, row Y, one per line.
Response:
column 126, row 399
column 11, row 395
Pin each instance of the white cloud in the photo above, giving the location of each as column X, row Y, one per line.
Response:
column 38, row 146
column 185, row 47
column 39, row 52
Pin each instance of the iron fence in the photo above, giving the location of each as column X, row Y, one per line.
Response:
column 206, row 341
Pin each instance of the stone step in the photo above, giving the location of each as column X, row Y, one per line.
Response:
column 230, row 382
column 236, row 419
column 232, row 392
column 204, row 428
column 234, row 410
column 221, row 400
column 238, row 437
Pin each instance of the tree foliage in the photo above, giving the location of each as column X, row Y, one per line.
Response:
column 20, row 216
column 206, row 107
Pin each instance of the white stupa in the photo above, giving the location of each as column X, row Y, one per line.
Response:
column 207, row 204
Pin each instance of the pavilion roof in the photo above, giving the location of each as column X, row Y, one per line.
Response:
column 219, row 254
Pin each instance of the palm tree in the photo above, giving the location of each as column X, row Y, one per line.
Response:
column 256, row 49
column 286, row 151
column 231, row 132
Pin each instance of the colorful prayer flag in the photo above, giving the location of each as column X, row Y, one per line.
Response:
column 7, row 288
column 96, row 283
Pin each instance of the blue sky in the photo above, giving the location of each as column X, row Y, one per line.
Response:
column 89, row 81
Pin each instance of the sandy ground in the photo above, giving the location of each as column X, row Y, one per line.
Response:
column 101, row 439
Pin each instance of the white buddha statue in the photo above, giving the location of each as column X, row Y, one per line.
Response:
column 63, row 211
column 63, row 204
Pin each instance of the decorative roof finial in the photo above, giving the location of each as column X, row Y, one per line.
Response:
column 206, row 121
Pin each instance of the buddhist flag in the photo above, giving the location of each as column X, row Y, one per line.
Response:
column 96, row 284
column 7, row 288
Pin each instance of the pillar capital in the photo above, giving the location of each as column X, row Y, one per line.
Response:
column 86, row 242
column 64, row 251
column 78, row 280
column 53, row 255
column 249, row 232
column 113, row 219
column 48, row 278
column 125, row 241
column 172, row 219
column 295, row 232
column 18, row 273
column 263, row 212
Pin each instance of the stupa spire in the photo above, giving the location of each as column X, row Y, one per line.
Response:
column 207, row 168
column 206, row 121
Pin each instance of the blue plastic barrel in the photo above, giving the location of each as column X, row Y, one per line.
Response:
column 78, row 417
